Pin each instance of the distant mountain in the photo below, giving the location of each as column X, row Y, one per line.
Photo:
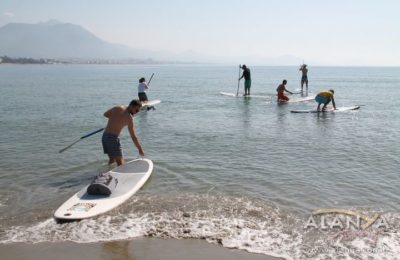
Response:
column 56, row 40
column 60, row 40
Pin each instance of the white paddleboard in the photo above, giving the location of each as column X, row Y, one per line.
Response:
column 131, row 177
column 241, row 95
column 338, row 109
column 150, row 103
column 297, row 99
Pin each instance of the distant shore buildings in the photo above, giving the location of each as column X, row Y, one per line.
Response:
column 9, row 60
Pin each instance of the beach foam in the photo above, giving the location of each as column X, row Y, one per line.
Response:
column 242, row 223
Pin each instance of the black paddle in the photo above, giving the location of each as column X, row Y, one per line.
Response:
column 237, row 92
column 83, row 137
column 148, row 83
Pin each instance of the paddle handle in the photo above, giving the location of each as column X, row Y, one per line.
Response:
column 92, row 133
column 237, row 92
column 148, row 83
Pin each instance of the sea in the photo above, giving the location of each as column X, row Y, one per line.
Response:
column 241, row 172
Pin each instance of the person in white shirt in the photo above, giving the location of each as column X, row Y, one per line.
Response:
column 142, row 90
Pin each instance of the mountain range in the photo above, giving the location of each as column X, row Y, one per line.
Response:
column 56, row 40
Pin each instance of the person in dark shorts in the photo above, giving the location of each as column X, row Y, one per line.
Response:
column 119, row 117
column 142, row 90
column 247, row 80
column 111, row 145
column 304, row 77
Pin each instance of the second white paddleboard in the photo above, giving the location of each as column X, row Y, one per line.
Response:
column 338, row 109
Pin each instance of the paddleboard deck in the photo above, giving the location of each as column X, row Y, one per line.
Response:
column 241, row 95
column 297, row 100
column 131, row 177
column 339, row 109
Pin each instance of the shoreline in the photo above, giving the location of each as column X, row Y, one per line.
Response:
column 144, row 248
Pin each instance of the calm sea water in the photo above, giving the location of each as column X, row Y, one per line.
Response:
column 242, row 172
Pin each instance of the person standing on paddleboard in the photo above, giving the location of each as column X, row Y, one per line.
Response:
column 247, row 80
column 325, row 97
column 142, row 90
column 119, row 117
column 281, row 91
column 304, row 77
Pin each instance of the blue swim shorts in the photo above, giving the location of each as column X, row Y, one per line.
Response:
column 321, row 99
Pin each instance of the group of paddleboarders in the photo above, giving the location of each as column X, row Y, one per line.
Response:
column 118, row 117
column 324, row 97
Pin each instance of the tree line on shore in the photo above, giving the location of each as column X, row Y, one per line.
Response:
column 6, row 59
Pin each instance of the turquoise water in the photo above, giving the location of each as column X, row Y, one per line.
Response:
column 244, row 172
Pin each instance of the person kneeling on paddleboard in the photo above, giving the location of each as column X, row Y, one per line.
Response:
column 119, row 117
column 281, row 89
column 325, row 97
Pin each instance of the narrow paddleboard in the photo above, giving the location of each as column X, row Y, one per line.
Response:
column 241, row 95
column 131, row 177
column 339, row 109
column 297, row 99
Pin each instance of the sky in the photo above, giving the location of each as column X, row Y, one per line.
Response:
column 341, row 32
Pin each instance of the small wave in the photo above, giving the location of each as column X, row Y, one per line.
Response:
column 242, row 223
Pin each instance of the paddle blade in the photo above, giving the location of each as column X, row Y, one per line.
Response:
column 69, row 146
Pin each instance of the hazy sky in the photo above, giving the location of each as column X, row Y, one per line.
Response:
column 341, row 32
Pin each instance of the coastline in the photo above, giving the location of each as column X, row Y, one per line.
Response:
column 144, row 248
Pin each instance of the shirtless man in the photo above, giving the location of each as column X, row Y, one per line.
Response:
column 304, row 78
column 281, row 91
column 119, row 117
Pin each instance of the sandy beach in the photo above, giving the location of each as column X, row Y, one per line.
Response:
column 138, row 249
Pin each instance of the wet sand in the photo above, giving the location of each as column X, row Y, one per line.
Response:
column 138, row 249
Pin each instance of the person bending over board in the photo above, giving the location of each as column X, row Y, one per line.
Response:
column 325, row 97
column 247, row 80
column 304, row 77
column 142, row 90
column 281, row 91
column 119, row 117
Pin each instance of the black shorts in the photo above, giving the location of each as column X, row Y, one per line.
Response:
column 304, row 79
column 111, row 145
column 142, row 96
